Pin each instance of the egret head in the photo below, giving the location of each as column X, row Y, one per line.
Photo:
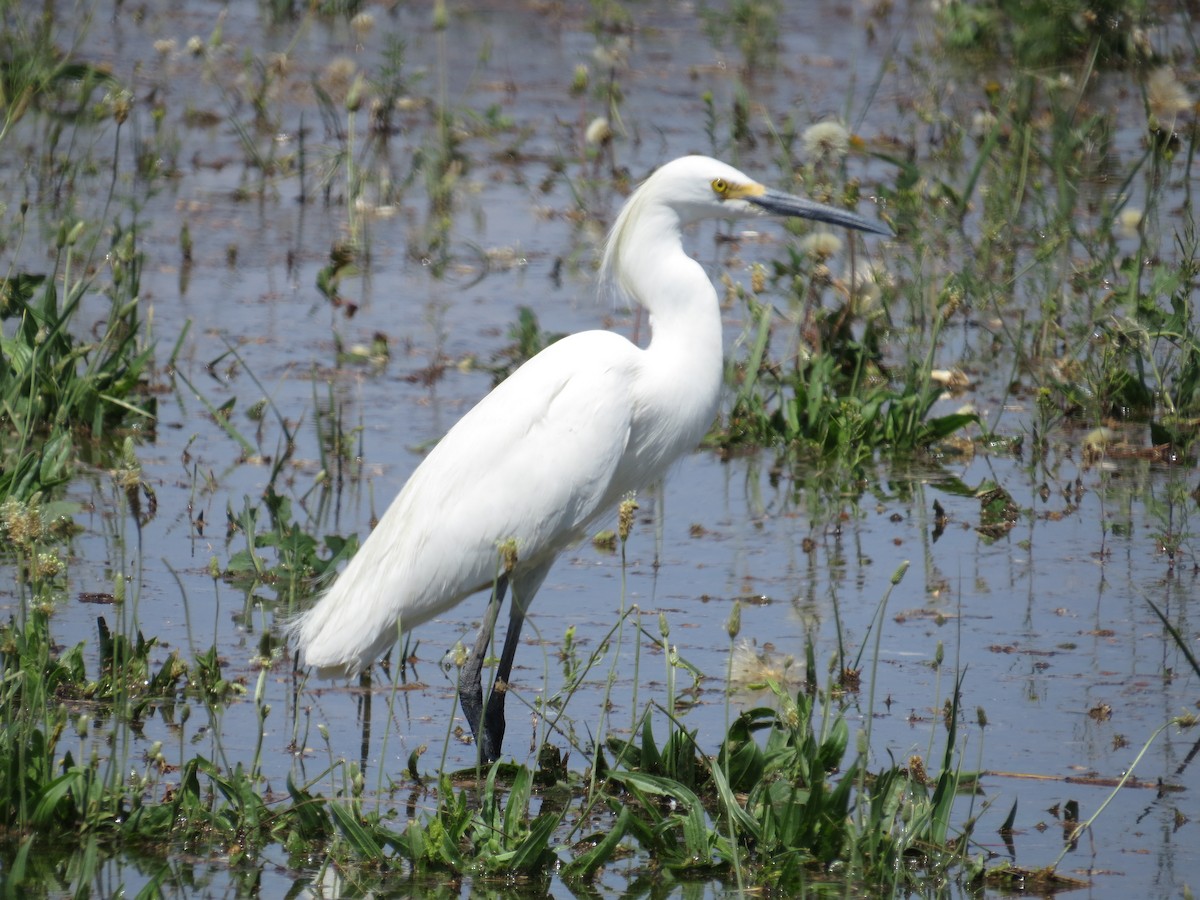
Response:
column 701, row 188
column 692, row 188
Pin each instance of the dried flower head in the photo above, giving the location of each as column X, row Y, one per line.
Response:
column 821, row 245
column 983, row 121
column 864, row 284
column 752, row 666
column 119, row 104
column 1166, row 97
column 1129, row 220
column 598, row 132
column 363, row 24
column 338, row 77
column 826, row 141
column 614, row 55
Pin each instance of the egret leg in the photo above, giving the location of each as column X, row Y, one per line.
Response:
column 493, row 719
column 470, row 679
column 488, row 724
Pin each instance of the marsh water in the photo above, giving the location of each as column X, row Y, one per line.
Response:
column 1047, row 627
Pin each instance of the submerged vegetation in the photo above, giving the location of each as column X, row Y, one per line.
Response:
column 1049, row 256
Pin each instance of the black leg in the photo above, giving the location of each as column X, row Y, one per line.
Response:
column 493, row 720
column 488, row 725
column 470, row 679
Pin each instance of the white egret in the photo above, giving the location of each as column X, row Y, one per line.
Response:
column 552, row 448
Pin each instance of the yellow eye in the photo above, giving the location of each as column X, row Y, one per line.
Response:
column 720, row 186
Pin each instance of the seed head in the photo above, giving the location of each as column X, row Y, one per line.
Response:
column 753, row 666
column 120, row 102
column 982, row 123
column 827, row 141
column 48, row 565
column 22, row 524
column 508, row 555
column 1129, row 219
column 864, row 283
column 758, row 278
column 1166, row 97
column 337, row 77
column 354, row 98
column 916, row 770
column 598, row 132
column 625, row 517
column 579, row 82
column 733, row 624
column 821, row 245
column 614, row 55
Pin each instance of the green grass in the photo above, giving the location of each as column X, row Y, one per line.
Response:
column 57, row 390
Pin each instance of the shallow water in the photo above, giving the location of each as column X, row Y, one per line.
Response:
column 1048, row 625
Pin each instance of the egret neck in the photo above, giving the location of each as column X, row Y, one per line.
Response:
column 679, row 387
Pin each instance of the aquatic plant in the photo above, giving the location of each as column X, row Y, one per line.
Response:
column 56, row 388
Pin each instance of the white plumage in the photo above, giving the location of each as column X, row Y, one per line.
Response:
column 556, row 445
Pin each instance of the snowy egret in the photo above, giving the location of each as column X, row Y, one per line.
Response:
column 554, row 447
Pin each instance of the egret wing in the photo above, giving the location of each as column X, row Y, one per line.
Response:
column 532, row 463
